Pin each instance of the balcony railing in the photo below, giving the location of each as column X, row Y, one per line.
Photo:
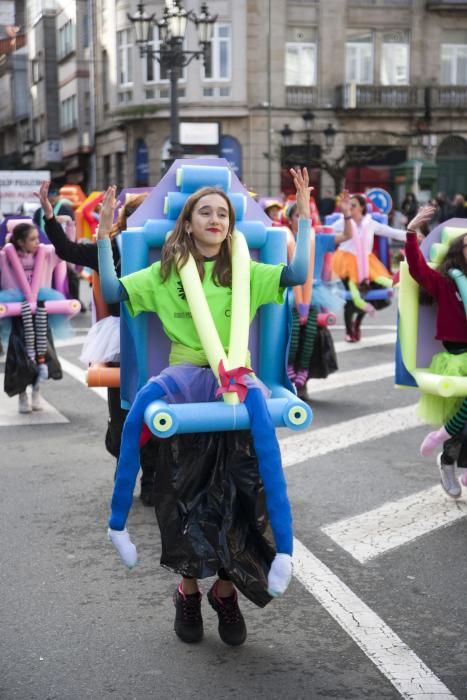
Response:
column 449, row 97
column 443, row 5
column 391, row 97
column 352, row 96
column 300, row 96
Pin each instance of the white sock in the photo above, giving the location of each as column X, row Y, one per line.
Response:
column 124, row 546
column 280, row 574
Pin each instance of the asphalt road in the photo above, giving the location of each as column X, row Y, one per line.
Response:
column 75, row 624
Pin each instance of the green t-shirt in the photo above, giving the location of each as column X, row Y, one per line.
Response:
column 146, row 292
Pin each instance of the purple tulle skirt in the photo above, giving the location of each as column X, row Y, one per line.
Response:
column 197, row 384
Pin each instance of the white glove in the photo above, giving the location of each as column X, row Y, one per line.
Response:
column 124, row 546
column 280, row 574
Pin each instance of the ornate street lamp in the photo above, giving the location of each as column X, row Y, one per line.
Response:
column 329, row 136
column 286, row 133
column 171, row 54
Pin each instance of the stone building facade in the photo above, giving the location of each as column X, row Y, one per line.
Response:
column 375, row 89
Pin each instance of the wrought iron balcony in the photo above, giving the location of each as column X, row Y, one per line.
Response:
column 352, row 96
column 301, row 96
column 449, row 97
column 446, row 5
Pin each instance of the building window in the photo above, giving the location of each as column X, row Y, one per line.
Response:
column 106, row 168
column 119, row 168
column 454, row 57
column 85, row 31
column 87, row 109
column 218, row 61
column 66, row 39
column 105, row 80
column 359, row 58
column 124, row 57
column 36, row 71
column 68, row 113
column 395, row 59
column 300, row 56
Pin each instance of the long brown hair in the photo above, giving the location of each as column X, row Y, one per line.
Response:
column 132, row 203
column 454, row 257
column 180, row 244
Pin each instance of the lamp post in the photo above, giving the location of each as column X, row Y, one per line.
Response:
column 314, row 158
column 171, row 55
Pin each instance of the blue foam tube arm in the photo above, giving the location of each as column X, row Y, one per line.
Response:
column 165, row 420
column 372, row 295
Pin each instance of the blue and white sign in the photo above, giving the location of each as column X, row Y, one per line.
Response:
column 231, row 150
column 141, row 163
column 381, row 199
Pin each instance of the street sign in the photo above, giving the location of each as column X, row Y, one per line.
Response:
column 381, row 199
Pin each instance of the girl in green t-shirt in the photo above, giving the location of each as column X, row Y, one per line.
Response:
column 204, row 230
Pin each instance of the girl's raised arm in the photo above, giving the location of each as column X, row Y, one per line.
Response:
column 418, row 267
column 112, row 290
column 297, row 271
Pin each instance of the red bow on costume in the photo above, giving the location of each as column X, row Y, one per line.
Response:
column 233, row 380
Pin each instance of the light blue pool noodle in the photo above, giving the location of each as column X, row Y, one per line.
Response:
column 218, row 416
column 191, row 178
column 175, row 201
column 273, row 317
column 372, row 295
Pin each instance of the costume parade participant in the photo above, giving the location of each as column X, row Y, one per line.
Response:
column 311, row 298
column 103, row 341
column 448, row 285
column 27, row 268
column 356, row 264
column 204, row 237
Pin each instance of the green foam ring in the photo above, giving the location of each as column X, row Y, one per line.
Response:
column 297, row 415
column 162, row 422
column 438, row 253
column 449, row 234
column 179, row 177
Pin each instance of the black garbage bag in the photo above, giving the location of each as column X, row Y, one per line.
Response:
column 51, row 358
column 20, row 370
column 455, row 450
column 210, row 506
column 323, row 360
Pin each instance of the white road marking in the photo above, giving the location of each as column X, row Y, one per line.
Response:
column 79, row 374
column 394, row 524
column 9, row 412
column 339, row 380
column 401, row 666
column 301, row 447
column 371, row 341
column 409, row 675
column 391, row 327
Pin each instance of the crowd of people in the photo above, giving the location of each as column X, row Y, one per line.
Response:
column 198, row 261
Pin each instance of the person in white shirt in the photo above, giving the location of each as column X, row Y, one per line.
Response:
column 356, row 264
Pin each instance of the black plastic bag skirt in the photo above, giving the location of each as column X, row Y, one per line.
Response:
column 20, row 370
column 211, row 510
column 323, row 360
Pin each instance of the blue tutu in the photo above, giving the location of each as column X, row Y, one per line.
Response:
column 327, row 296
column 59, row 324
